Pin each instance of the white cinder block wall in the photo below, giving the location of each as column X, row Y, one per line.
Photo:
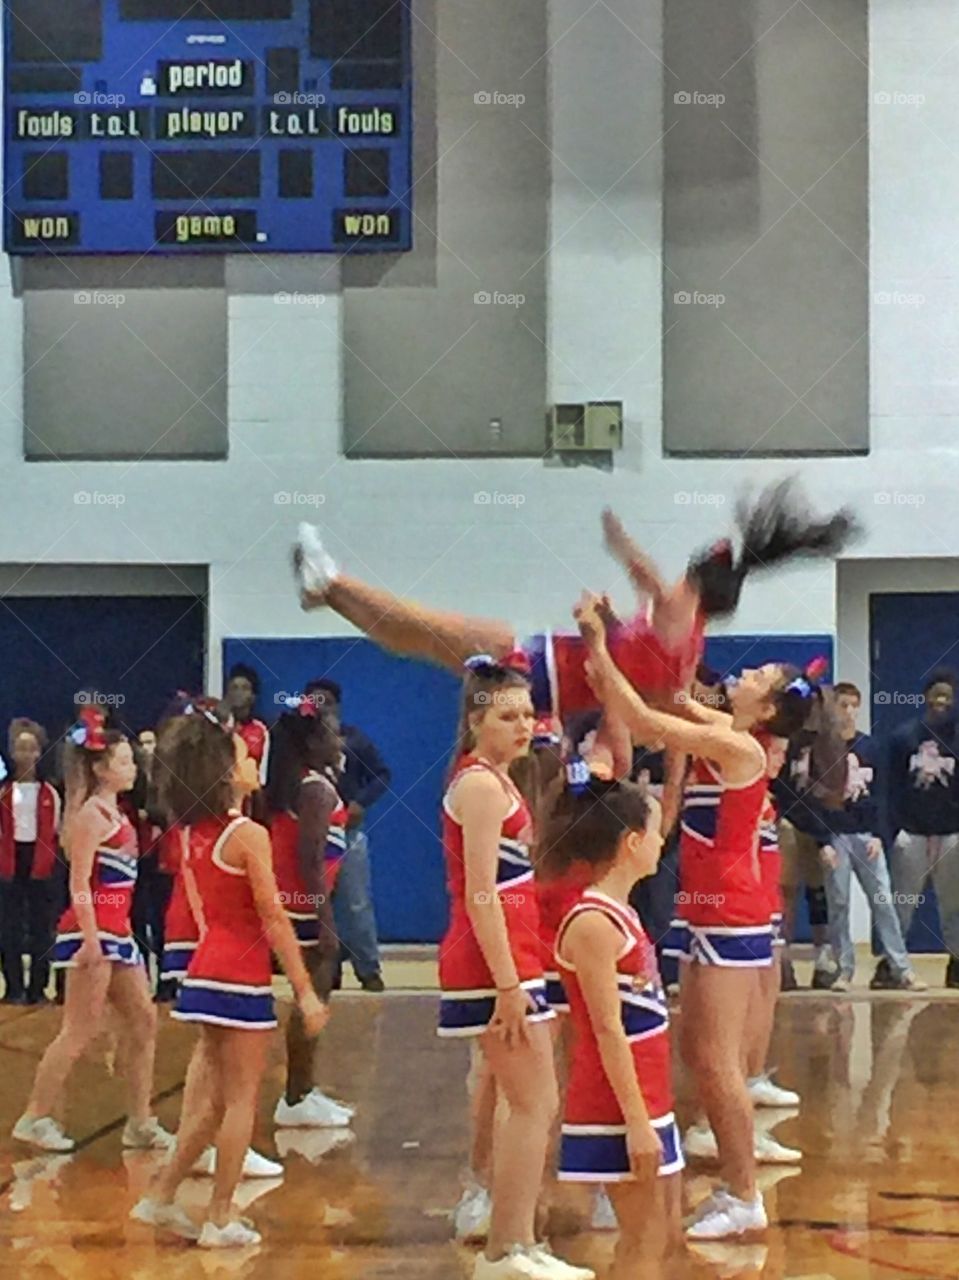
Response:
column 415, row 525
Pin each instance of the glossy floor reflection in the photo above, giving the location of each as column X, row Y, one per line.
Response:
column 877, row 1195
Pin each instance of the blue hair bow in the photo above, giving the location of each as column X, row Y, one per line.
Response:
column 577, row 775
column 801, row 686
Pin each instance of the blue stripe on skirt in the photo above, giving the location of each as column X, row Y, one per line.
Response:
column 470, row 1016
column 676, row 941
column 176, row 959
column 307, row 930
column 747, row 949
column 117, row 951
column 198, row 1003
column 556, row 996
column 605, row 1158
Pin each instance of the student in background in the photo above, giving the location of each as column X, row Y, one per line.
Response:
column 855, row 848
column 29, row 822
column 364, row 780
column 242, row 691
column 802, row 834
column 922, row 815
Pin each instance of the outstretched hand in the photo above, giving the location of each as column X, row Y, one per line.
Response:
column 618, row 542
column 589, row 615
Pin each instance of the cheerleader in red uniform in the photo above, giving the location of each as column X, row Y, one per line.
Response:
column 657, row 650
column 762, row 1088
column 491, row 972
column 308, row 829
column 618, row 1123
column 227, row 869
column 721, row 898
column 95, row 943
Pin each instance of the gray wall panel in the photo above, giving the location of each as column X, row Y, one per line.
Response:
column 413, row 331
column 766, row 297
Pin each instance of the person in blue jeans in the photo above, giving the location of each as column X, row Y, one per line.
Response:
column 364, row 780
column 854, row 848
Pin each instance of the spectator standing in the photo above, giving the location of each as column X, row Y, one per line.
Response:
column 922, row 814
column 364, row 780
column 855, row 848
column 29, row 822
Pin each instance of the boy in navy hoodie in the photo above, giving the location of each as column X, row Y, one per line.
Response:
column 854, row 847
column 923, row 813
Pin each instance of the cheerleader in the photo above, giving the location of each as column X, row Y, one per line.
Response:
column 29, row 823
column 181, row 933
column 721, row 900
column 658, row 650
column 227, row 868
column 618, row 1123
column 308, row 829
column 491, row 973
column 96, row 946
column 762, row 1088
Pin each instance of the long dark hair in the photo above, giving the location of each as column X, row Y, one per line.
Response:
column 298, row 742
column 777, row 527
column 586, row 825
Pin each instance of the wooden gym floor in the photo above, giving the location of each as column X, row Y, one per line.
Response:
column 877, row 1195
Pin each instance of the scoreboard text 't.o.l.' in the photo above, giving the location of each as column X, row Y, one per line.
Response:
column 171, row 126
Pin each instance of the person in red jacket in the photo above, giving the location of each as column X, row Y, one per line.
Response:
column 29, row 821
column 242, row 691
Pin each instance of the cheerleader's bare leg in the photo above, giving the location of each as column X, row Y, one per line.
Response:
column 239, row 1057
column 398, row 625
column 84, row 1009
column 129, row 994
column 649, row 1220
column 713, row 1032
column 414, row 631
column 200, row 1118
column 526, row 1081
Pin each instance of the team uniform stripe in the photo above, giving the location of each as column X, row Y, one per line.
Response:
column 469, row 1013
column 732, row 948
column 598, row 1153
column 116, row 948
column 225, row 1004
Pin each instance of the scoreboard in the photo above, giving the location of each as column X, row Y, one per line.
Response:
column 205, row 126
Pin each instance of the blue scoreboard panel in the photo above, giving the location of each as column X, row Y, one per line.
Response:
column 199, row 126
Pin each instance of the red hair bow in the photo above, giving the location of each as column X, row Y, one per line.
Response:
column 816, row 669
column 89, row 730
column 516, row 661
